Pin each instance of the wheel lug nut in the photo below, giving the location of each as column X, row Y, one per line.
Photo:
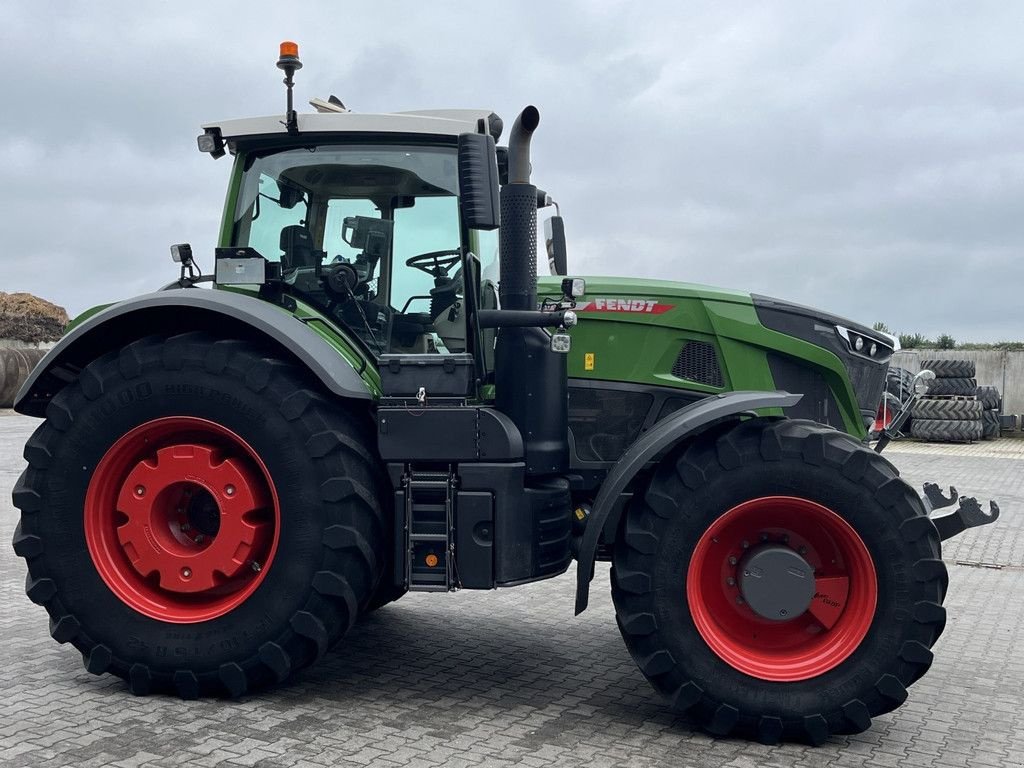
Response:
column 745, row 545
column 802, row 550
column 764, row 537
column 140, row 490
column 739, row 600
column 186, row 573
column 731, row 581
column 229, row 490
column 256, row 566
column 732, row 560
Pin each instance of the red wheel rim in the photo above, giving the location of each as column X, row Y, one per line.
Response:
column 181, row 519
column 822, row 637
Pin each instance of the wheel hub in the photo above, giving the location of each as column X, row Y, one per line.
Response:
column 157, row 537
column 776, row 582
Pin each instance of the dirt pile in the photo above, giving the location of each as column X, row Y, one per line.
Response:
column 27, row 318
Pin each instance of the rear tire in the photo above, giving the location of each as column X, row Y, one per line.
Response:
column 963, row 387
column 947, row 430
column 956, row 410
column 990, row 425
column 950, row 369
column 664, row 532
column 990, row 398
column 317, row 497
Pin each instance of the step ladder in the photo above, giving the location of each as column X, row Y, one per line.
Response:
column 429, row 519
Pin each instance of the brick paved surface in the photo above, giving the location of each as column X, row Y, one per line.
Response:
column 512, row 678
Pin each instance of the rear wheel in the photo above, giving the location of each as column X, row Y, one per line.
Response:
column 197, row 519
column 779, row 582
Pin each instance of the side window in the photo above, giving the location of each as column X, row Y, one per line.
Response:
column 269, row 218
column 432, row 224
column 485, row 246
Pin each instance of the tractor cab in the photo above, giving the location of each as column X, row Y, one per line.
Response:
column 368, row 234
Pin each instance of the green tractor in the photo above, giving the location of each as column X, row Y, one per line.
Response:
column 378, row 396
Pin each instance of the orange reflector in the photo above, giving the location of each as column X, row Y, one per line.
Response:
column 431, row 559
column 288, row 48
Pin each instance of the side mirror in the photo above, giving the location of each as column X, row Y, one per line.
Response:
column 289, row 196
column 554, row 241
column 478, row 181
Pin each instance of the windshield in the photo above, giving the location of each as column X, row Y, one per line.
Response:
column 369, row 234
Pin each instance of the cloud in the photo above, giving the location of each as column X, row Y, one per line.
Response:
column 863, row 159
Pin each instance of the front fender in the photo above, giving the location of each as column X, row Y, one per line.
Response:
column 666, row 433
column 223, row 313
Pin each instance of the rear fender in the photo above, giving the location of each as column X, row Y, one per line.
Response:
column 682, row 424
column 224, row 313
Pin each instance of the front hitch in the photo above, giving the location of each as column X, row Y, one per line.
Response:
column 968, row 513
column 918, row 387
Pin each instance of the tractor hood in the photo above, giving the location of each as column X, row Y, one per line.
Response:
column 807, row 350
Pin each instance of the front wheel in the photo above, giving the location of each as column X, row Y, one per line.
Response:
column 779, row 581
column 197, row 518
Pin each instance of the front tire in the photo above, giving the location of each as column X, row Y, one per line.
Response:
column 795, row 488
column 197, row 518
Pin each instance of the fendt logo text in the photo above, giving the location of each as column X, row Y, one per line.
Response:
column 644, row 306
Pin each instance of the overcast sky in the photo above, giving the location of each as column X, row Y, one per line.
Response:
column 866, row 158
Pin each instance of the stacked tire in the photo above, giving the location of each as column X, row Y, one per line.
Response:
column 992, row 405
column 951, row 411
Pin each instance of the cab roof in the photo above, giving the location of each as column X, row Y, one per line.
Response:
column 438, row 122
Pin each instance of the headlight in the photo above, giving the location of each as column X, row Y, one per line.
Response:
column 864, row 345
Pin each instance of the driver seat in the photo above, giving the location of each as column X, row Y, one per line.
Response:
column 297, row 247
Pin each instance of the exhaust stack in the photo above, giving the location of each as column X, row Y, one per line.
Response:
column 518, row 252
column 532, row 383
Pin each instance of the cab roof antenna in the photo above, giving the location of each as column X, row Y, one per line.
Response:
column 288, row 61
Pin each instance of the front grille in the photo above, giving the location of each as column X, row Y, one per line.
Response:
column 698, row 361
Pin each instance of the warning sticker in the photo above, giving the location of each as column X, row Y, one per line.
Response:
column 641, row 306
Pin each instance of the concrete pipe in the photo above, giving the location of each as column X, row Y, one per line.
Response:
column 15, row 366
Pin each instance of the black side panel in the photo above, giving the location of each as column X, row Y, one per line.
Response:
column 606, row 417
column 531, row 390
column 818, row 403
column 438, row 433
column 474, row 539
column 604, row 422
column 531, row 524
column 179, row 311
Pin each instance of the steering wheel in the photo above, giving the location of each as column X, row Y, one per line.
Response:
column 436, row 263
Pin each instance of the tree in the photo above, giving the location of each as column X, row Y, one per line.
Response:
column 880, row 326
column 945, row 341
column 913, row 341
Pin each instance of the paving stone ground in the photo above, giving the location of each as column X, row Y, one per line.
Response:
column 512, row 678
